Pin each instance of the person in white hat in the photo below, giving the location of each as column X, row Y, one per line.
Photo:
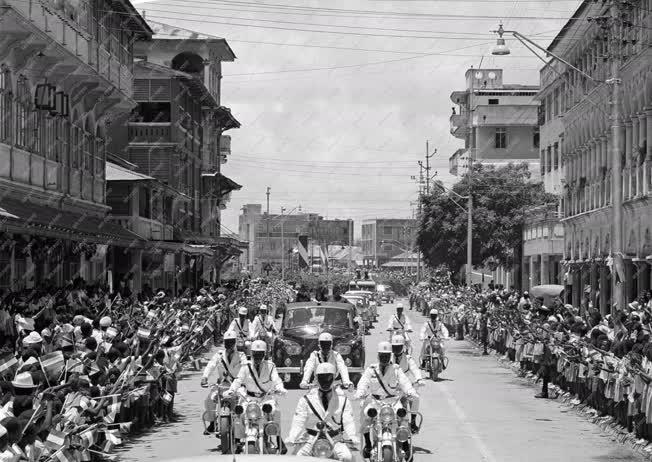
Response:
column 433, row 329
column 409, row 367
column 23, row 384
column 33, row 341
column 325, row 354
column 240, row 325
column 223, row 368
column 400, row 324
column 324, row 404
column 379, row 381
column 259, row 378
column 263, row 327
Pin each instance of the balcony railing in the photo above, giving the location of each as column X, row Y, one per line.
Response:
column 145, row 227
column 506, row 115
column 150, row 132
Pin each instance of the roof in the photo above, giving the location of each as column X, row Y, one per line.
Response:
column 164, row 31
column 50, row 220
column 573, row 19
column 400, row 264
column 226, row 184
column 134, row 17
column 115, row 172
column 226, row 119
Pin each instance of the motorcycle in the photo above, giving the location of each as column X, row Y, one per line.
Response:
column 390, row 433
column 253, row 422
column 220, row 417
column 433, row 359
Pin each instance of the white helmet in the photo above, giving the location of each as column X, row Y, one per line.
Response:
column 230, row 335
column 259, row 345
column 325, row 368
column 243, row 311
column 325, row 337
column 263, row 307
column 398, row 340
column 434, row 311
column 400, row 305
column 384, row 347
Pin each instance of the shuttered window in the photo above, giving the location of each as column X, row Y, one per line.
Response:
column 152, row 90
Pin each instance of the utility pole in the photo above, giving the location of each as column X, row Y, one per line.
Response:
column 428, row 156
column 282, row 246
column 469, row 204
column 350, row 229
column 269, row 244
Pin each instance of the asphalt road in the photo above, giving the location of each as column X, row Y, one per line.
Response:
column 479, row 412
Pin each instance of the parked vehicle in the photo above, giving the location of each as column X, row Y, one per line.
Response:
column 299, row 333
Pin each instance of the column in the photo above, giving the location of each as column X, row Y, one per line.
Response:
column 598, row 172
column 645, row 126
column 604, row 295
column 595, row 276
column 136, row 257
column 532, row 270
column 633, row 171
column 628, row 285
column 606, row 163
column 545, row 269
column 12, row 269
column 627, row 183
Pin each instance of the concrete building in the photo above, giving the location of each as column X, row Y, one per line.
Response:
column 578, row 134
column 497, row 121
column 272, row 238
column 384, row 238
column 66, row 72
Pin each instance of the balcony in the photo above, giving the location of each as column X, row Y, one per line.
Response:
column 506, row 115
column 150, row 132
column 459, row 125
column 149, row 229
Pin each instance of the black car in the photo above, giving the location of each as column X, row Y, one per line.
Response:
column 299, row 337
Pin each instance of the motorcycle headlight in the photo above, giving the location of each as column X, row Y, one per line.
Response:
column 402, row 434
column 322, row 449
column 267, row 408
column 253, row 411
column 343, row 349
column 238, row 409
column 272, row 429
column 401, row 412
column 386, row 414
column 372, row 412
column 292, row 349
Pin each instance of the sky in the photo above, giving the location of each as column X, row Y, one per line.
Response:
column 335, row 121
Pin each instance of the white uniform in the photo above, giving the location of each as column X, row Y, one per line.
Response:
column 338, row 416
column 241, row 330
column 334, row 358
column 438, row 330
column 410, row 368
column 263, row 328
column 402, row 323
column 250, row 378
column 218, row 369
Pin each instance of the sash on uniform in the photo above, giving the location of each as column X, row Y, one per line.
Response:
column 253, row 376
column 226, row 368
column 399, row 321
column 382, row 384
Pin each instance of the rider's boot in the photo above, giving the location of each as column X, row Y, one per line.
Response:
column 406, row 450
column 414, row 428
column 366, row 450
column 210, row 429
column 443, row 363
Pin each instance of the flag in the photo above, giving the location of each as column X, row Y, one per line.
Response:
column 64, row 455
column 112, row 440
column 166, row 397
column 55, row 440
column 53, row 362
column 143, row 332
column 113, row 410
column 7, row 363
column 75, row 366
column 88, row 437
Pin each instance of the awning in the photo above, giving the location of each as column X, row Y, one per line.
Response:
column 225, row 119
column 223, row 182
column 115, row 172
column 199, row 249
column 50, row 221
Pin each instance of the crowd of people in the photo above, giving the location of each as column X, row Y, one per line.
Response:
column 600, row 361
column 80, row 367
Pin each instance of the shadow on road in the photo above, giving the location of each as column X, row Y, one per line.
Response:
column 419, row 450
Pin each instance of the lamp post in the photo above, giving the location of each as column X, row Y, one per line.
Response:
column 616, row 123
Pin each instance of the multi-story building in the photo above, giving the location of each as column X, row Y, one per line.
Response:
column 272, row 238
column 174, row 141
column 384, row 238
column 578, row 133
column 498, row 122
column 66, row 72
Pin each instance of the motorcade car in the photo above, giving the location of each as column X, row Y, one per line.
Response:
column 299, row 334
column 385, row 293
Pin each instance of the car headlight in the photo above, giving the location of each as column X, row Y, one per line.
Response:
column 386, row 414
column 253, row 411
column 292, row 348
column 343, row 349
column 322, row 449
column 402, row 434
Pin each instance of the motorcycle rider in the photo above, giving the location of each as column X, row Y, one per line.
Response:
column 325, row 354
column 326, row 405
column 433, row 328
column 263, row 326
column 223, row 367
column 400, row 322
column 381, row 380
column 259, row 378
column 409, row 367
column 240, row 326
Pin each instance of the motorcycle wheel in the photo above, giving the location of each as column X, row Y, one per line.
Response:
column 225, row 436
column 388, row 454
column 434, row 369
column 252, row 447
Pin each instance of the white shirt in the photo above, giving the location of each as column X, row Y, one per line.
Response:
column 338, row 415
column 334, row 358
column 394, row 380
column 402, row 323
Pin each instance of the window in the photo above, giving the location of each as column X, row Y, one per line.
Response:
column 535, row 137
column 387, row 230
column 6, row 113
column 144, row 200
column 555, row 156
column 548, row 160
column 23, row 108
column 493, row 100
column 152, row 112
column 501, row 138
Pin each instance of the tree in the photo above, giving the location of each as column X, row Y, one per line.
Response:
column 501, row 196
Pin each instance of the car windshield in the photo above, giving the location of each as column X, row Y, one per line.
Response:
column 317, row 315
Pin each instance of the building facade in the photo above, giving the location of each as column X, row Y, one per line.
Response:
column 173, row 141
column 497, row 121
column 66, row 73
column 384, row 238
column 274, row 240
column 578, row 127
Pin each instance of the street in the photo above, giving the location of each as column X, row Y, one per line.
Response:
column 480, row 411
